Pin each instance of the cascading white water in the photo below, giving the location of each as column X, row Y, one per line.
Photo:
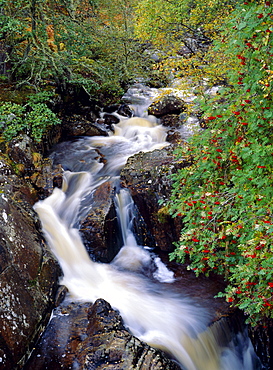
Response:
column 132, row 257
column 153, row 313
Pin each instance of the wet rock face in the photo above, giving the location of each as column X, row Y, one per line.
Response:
column 110, row 119
column 145, row 174
column 262, row 339
column 86, row 336
column 77, row 125
column 58, row 345
column 121, row 109
column 28, row 272
column 171, row 120
column 110, row 346
column 99, row 229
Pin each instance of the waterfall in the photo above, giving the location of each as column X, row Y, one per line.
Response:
column 155, row 314
column 133, row 257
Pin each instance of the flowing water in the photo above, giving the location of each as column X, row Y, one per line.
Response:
column 153, row 313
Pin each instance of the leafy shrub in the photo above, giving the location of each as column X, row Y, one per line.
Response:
column 40, row 97
column 34, row 119
column 225, row 196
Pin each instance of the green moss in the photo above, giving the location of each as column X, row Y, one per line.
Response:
column 163, row 214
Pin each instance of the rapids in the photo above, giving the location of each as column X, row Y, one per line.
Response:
column 153, row 313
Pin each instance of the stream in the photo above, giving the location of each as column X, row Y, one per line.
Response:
column 155, row 314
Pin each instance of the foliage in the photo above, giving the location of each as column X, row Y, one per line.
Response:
column 182, row 32
column 40, row 97
column 225, row 196
column 34, row 119
column 85, row 42
column 11, row 119
column 172, row 20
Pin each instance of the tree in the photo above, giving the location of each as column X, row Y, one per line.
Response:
column 89, row 44
column 183, row 30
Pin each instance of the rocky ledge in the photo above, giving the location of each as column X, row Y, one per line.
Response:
column 92, row 336
column 28, row 271
column 146, row 175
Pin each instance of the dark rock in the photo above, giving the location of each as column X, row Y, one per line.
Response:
column 20, row 151
column 122, row 109
column 41, row 178
column 28, row 272
column 60, row 295
column 100, row 229
column 174, row 122
column 174, row 137
column 26, row 158
column 146, row 175
column 51, row 137
column 111, row 108
column 110, row 346
column 77, row 125
column 171, row 120
column 74, row 98
column 86, row 336
column 262, row 339
column 168, row 104
column 58, row 345
column 57, row 176
column 110, row 119
column 125, row 110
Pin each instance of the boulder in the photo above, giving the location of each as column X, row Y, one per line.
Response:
column 77, row 125
column 111, row 114
column 41, row 177
column 125, row 110
column 168, row 104
column 110, row 119
column 171, row 120
column 121, row 109
column 26, row 158
column 100, row 229
column 110, row 346
column 86, row 336
column 146, row 176
column 174, row 137
column 28, row 271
